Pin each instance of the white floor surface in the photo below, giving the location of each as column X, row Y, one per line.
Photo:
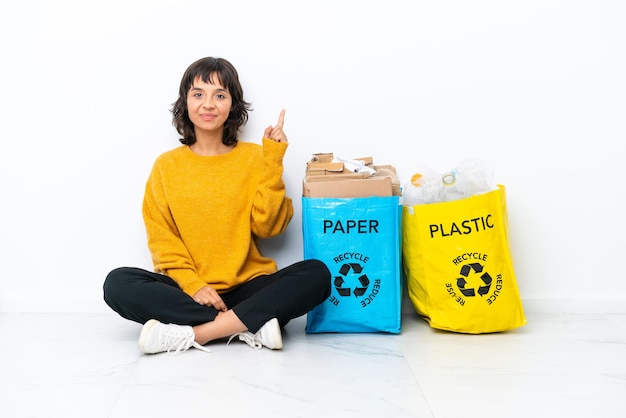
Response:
column 88, row 366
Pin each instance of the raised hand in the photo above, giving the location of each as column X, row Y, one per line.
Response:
column 276, row 132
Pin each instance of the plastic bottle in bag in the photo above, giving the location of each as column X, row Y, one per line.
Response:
column 424, row 187
column 469, row 178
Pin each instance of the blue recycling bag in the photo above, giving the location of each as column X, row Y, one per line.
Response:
column 359, row 239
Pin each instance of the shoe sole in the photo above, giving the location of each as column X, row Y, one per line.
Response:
column 145, row 330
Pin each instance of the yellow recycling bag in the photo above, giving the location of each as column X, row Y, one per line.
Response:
column 458, row 265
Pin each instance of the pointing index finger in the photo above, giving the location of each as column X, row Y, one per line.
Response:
column 281, row 119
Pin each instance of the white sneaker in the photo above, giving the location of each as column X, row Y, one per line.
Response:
column 269, row 336
column 156, row 337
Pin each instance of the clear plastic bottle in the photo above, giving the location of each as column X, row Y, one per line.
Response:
column 469, row 178
column 424, row 187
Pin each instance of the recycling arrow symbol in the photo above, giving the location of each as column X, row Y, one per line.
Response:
column 340, row 281
column 474, row 269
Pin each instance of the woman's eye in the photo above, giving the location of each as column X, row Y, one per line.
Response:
column 221, row 96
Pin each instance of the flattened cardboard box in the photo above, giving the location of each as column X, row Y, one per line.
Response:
column 372, row 186
column 328, row 157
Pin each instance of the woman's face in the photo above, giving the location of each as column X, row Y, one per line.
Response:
column 208, row 104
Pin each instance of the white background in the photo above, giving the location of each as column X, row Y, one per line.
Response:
column 536, row 89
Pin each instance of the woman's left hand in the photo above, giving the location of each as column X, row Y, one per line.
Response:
column 209, row 297
column 276, row 132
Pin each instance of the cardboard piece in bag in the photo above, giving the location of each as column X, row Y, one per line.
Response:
column 325, row 178
column 380, row 186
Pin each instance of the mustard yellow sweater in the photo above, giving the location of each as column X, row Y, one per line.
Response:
column 203, row 214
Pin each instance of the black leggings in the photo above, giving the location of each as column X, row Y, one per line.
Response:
column 141, row 295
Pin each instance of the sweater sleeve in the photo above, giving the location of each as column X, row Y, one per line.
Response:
column 169, row 253
column 272, row 210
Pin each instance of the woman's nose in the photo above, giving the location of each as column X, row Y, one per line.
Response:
column 208, row 103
